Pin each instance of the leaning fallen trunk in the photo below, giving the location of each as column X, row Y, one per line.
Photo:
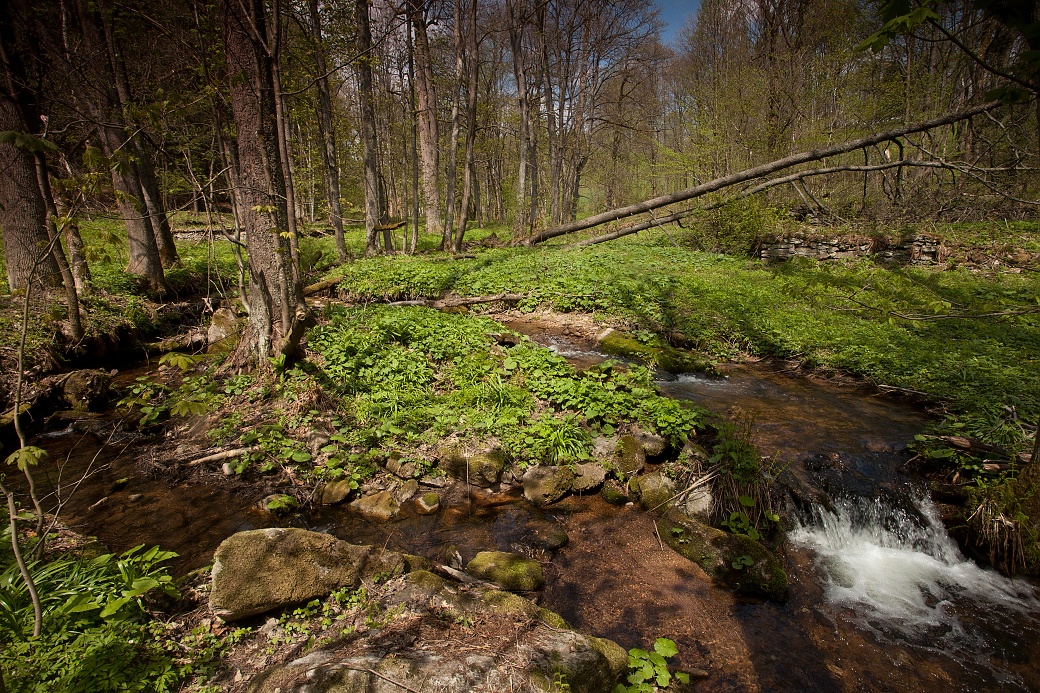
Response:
column 756, row 172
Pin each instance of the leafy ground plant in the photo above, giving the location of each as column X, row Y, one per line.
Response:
column 648, row 671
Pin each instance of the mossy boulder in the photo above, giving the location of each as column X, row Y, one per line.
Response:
column 548, row 484
column 526, row 658
column 588, row 477
column 509, row 571
column 661, row 356
column 381, row 507
column 265, row 569
column 655, row 490
column 629, row 457
column 428, row 503
column 223, row 333
column 734, row 559
column 86, row 390
column 336, row 491
column 482, row 469
column 616, row 492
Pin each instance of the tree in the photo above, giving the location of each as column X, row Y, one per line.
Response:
column 327, row 132
column 427, row 118
column 277, row 310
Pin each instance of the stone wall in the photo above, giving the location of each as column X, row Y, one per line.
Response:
column 918, row 250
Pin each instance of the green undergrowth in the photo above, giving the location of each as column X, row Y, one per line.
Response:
column 892, row 326
column 104, row 626
column 411, row 378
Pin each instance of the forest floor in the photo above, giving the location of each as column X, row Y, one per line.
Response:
column 388, row 384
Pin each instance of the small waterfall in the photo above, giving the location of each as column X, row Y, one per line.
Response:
column 898, row 574
column 901, row 566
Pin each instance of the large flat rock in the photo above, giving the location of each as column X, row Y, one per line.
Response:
column 265, row 569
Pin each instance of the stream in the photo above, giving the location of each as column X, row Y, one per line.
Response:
column 880, row 597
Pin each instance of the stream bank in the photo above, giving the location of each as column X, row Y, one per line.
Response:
column 614, row 577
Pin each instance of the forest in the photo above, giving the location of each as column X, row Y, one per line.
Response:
column 415, row 345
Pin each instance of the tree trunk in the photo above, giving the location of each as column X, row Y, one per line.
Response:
column 427, row 119
column 327, row 131
column 453, row 145
column 71, row 296
column 471, row 127
column 23, row 216
column 150, row 198
column 370, row 145
column 276, row 319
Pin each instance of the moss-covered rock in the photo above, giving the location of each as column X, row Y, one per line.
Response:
column 741, row 562
column 629, row 457
column 279, row 503
column 548, row 484
column 223, row 333
column 659, row 356
column 655, row 490
column 336, row 492
column 406, row 490
column 428, row 503
column 86, row 390
column 482, row 469
column 381, row 506
column 616, row 492
column 265, row 569
column 509, row 571
column 588, row 477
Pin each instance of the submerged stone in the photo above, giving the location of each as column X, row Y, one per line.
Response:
column 381, row 506
column 509, row 571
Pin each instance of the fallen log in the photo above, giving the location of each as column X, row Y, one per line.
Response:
column 221, row 456
column 756, row 172
column 318, row 287
column 440, row 303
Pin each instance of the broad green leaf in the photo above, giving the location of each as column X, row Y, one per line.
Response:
column 666, row 647
column 29, row 456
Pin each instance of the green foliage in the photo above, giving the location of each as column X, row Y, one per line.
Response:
column 649, row 670
column 182, row 362
column 793, row 310
column 409, row 375
column 28, row 456
column 96, row 637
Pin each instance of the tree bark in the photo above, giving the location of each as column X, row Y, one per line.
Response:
column 370, row 144
column 23, row 216
column 276, row 319
column 471, row 127
column 71, row 295
column 142, row 168
column 427, row 119
column 453, row 144
column 757, row 172
column 327, row 130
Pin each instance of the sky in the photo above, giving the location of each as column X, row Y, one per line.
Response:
column 674, row 14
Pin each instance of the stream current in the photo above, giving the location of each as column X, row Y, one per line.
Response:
column 881, row 597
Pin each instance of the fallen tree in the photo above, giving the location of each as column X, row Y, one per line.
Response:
column 783, row 180
column 756, row 172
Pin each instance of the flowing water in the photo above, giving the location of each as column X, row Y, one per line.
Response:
column 881, row 597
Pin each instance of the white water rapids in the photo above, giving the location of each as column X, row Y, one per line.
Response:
column 903, row 575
